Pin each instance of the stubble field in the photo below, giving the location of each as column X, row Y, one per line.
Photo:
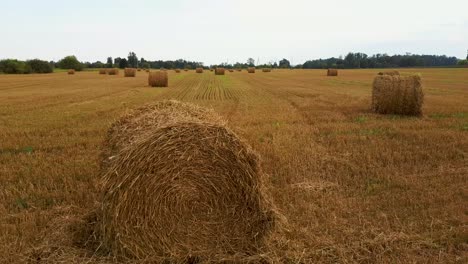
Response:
column 354, row 186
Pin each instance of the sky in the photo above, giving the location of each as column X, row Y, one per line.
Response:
column 221, row 31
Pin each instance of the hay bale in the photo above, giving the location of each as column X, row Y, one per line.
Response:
column 139, row 69
column 102, row 71
column 251, row 70
column 158, row 79
column 147, row 70
column 231, row 70
column 239, row 70
column 219, row 71
column 332, row 72
column 182, row 185
column 266, row 70
column 391, row 73
column 130, row 72
column 185, row 69
column 401, row 95
column 113, row 71
column 71, row 71
column 199, row 70
column 177, row 70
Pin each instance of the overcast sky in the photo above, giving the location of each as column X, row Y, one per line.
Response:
column 215, row 31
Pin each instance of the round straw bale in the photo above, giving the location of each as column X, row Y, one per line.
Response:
column 113, row 71
column 139, row 69
column 391, row 73
column 401, row 95
column 177, row 70
column 239, row 70
column 231, row 70
column 251, row 70
column 182, row 185
column 199, row 70
column 219, row 71
column 158, row 79
column 332, row 72
column 71, row 71
column 266, row 70
column 185, row 69
column 130, row 72
column 102, row 71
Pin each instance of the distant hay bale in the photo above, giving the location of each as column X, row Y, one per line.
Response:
column 199, row 70
column 211, row 70
column 113, row 71
column 266, row 70
column 147, row 70
column 219, row 71
column 182, row 185
column 177, row 70
column 391, row 73
column 401, row 95
column 130, row 72
column 139, row 69
column 158, row 79
column 71, row 71
column 239, row 70
column 251, row 70
column 185, row 69
column 231, row 70
column 332, row 72
column 102, row 71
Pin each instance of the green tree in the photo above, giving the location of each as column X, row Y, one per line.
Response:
column 70, row 62
column 39, row 66
column 109, row 62
column 251, row 62
column 132, row 60
column 123, row 63
column 12, row 66
column 284, row 63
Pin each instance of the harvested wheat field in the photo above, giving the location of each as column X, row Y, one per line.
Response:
column 346, row 185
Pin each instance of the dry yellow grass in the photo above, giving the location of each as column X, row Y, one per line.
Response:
column 354, row 186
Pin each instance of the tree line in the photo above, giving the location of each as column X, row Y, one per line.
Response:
column 350, row 61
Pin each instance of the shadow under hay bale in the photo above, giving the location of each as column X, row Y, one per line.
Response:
column 251, row 70
column 182, row 185
column 397, row 95
column 391, row 73
column 220, row 71
column 113, row 71
column 158, row 79
column 130, row 72
column 332, row 72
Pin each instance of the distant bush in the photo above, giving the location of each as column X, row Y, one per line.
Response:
column 13, row 66
column 39, row 66
column 463, row 62
column 70, row 62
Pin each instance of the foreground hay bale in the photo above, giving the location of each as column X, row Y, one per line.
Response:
column 158, row 79
column 391, row 73
column 130, row 72
column 71, row 71
column 113, row 72
column 397, row 95
column 182, row 185
column 199, row 70
column 332, row 72
column 219, row 71
column 251, row 70
column 102, row 71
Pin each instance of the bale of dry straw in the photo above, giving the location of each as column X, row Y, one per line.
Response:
column 231, row 70
column 332, row 72
column 158, row 79
column 266, row 70
column 401, row 95
column 251, row 70
column 219, row 71
column 199, row 70
column 102, row 71
column 177, row 70
column 181, row 184
column 130, row 72
column 113, row 71
column 139, row 69
column 71, row 71
column 391, row 73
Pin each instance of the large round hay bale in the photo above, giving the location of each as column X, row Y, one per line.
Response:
column 266, row 70
column 158, row 79
column 401, row 95
column 113, row 71
column 219, row 71
column 251, row 70
column 332, row 72
column 102, row 71
column 199, row 70
column 177, row 70
column 130, row 72
column 181, row 184
column 71, row 71
column 391, row 73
